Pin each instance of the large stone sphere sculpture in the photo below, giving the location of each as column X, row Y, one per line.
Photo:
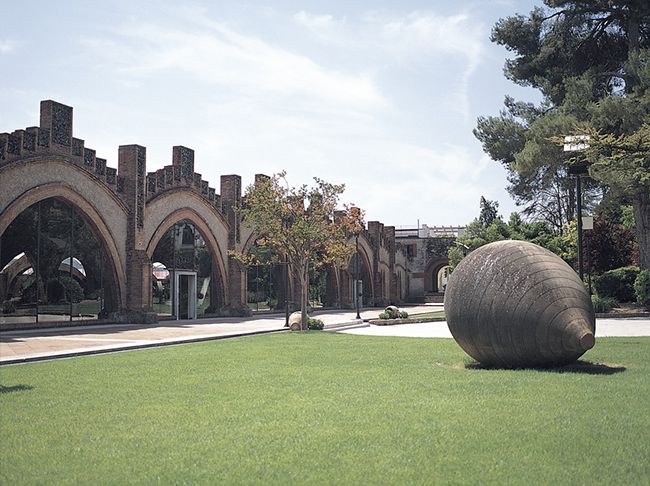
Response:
column 514, row 304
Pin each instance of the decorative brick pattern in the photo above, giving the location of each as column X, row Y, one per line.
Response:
column 44, row 137
column 151, row 183
column 29, row 141
column 100, row 166
column 89, row 158
column 77, row 147
column 111, row 175
column 13, row 145
column 141, row 169
column 61, row 124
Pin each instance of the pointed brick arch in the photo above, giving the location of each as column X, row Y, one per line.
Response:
column 87, row 211
column 191, row 216
column 366, row 254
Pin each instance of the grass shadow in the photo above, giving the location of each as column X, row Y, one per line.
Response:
column 580, row 367
column 15, row 388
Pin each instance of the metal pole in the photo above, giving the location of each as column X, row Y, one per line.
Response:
column 37, row 273
column 172, row 274
column 286, row 291
column 101, row 278
column 257, row 285
column 589, row 261
column 269, row 269
column 579, row 205
column 71, row 253
column 356, row 282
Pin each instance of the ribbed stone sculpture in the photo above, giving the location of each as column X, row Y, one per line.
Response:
column 516, row 304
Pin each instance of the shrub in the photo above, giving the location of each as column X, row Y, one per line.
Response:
column 618, row 284
column 315, row 324
column 642, row 288
column 386, row 315
column 403, row 315
column 603, row 304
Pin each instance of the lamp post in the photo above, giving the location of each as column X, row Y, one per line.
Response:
column 464, row 248
column 577, row 143
column 356, row 281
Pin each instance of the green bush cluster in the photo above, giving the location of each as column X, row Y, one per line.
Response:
column 642, row 288
column 315, row 324
column 603, row 304
column 391, row 315
column 618, row 284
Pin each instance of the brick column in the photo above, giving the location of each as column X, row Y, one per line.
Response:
column 56, row 127
column 375, row 229
column 230, row 201
column 132, row 168
column 183, row 157
column 389, row 242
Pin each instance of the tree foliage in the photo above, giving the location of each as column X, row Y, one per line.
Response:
column 590, row 61
column 300, row 224
column 477, row 234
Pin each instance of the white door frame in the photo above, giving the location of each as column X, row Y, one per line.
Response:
column 191, row 293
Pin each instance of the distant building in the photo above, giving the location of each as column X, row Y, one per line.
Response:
column 427, row 264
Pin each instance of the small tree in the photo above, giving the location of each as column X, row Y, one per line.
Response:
column 299, row 223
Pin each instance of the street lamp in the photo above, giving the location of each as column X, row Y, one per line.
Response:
column 464, row 248
column 577, row 143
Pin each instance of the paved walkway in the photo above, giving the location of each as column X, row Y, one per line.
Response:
column 22, row 346
column 633, row 326
column 33, row 345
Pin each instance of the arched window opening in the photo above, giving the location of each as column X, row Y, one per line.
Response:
column 43, row 277
column 265, row 286
column 365, row 280
column 441, row 277
column 184, row 283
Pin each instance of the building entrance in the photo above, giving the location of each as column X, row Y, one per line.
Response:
column 184, row 295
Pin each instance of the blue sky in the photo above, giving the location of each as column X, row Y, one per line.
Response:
column 381, row 96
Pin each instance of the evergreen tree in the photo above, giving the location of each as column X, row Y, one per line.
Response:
column 590, row 61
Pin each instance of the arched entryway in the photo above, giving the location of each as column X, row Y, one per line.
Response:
column 436, row 275
column 55, row 266
column 187, row 282
column 359, row 270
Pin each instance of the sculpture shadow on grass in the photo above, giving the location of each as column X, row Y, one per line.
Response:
column 579, row 367
column 14, row 388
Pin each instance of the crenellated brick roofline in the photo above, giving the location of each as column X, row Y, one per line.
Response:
column 55, row 136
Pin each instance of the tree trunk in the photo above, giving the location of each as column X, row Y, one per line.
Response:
column 641, row 208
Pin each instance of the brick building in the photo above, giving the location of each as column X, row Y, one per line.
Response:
column 80, row 238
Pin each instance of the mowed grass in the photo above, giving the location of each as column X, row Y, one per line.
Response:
column 325, row 408
column 440, row 313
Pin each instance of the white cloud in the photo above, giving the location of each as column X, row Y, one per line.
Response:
column 6, row 46
column 213, row 53
column 249, row 105
column 325, row 27
column 456, row 42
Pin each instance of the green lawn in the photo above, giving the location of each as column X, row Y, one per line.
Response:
column 325, row 408
column 426, row 315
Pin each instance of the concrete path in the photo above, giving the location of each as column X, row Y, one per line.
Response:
column 34, row 345
column 23, row 346
column 633, row 326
